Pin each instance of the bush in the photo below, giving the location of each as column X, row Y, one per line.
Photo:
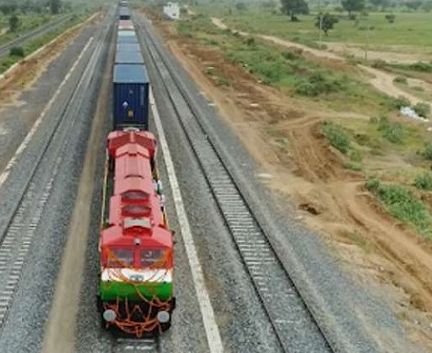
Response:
column 17, row 51
column 390, row 17
column 392, row 131
column 249, row 41
column 379, row 64
column 424, row 181
column 400, row 102
column 223, row 82
column 400, row 79
column 402, row 204
column 421, row 66
column 354, row 166
column 316, row 84
column 428, row 152
column 422, row 109
column 336, row 136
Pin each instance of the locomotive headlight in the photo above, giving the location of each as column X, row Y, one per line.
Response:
column 109, row 315
column 163, row 316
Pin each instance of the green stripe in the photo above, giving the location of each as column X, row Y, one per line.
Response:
column 112, row 290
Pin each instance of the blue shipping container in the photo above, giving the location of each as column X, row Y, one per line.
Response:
column 129, row 57
column 128, row 39
column 128, row 47
column 131, row 90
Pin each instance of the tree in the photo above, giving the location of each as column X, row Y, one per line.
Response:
column 427, row 6
column 353, row 5
column 14, row 23
column 326, row 22
column 55, row 6
column 413, row 5
column 294, row 7
column 390, row 17
column 241, row 6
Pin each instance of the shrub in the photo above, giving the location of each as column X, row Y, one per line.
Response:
column 424, row 181
column 354, row 166
column 400, row 102
column 402, row 204
column 379, row 64
column 400, row 79
column 428, row 152
column 372, row 184
column 390, row 17
column 17, row 51
column 249, row 41
column 336, row 136
column 421, row 66
column 392, row 131
column 422, row 109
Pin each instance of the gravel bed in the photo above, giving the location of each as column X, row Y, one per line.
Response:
column 16, row 121
column 350, row 313
column 24, row 329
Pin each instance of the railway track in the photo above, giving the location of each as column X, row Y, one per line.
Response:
column 293, row 323
column 126, row 345
column 4, row 49
column 20, row 223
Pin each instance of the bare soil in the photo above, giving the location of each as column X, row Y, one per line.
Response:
column 282, row 134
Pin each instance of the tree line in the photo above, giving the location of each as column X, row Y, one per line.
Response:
column 32, row 6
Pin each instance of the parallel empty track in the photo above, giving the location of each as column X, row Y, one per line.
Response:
column 293, row 323
column 20, row 221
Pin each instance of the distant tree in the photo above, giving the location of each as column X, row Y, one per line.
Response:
column 427, row 6
column 7, row 9
column 390, row 17
column 14, row 23
column 294, row 7
column 380, row 4
column 326, row 23
column 353, row 5
column 241, row 6
column 413, row 5
column 55, row 6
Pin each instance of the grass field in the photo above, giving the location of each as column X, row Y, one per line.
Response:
column 29, row 48
column 28, row 23
column 408, row 28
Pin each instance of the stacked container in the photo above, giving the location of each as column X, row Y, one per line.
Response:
column 131, row 82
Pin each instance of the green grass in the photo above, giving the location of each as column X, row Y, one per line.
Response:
column 8, row 61
column 424, row 181
column 408, row 28
column 403, row 205
column 336, row 136
column 288, row 69
column 28, row 23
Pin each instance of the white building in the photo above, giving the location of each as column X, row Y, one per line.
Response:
column 172, row 10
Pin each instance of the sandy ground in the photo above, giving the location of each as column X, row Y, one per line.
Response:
column 282, row 135
column 29, row 70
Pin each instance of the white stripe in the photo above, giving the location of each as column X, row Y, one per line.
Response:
column 212, row 331
column 21, row 148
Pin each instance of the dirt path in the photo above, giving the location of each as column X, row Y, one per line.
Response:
column 282, row 134
column 381, row 80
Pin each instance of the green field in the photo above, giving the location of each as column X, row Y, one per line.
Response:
column 408, row 28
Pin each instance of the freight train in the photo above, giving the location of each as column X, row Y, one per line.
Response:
column 136, row 294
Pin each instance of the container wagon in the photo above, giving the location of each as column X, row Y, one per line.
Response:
column 131, row 90
column 129, row 57
column 124, row 13
column 128, row 47
column 136, row 246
